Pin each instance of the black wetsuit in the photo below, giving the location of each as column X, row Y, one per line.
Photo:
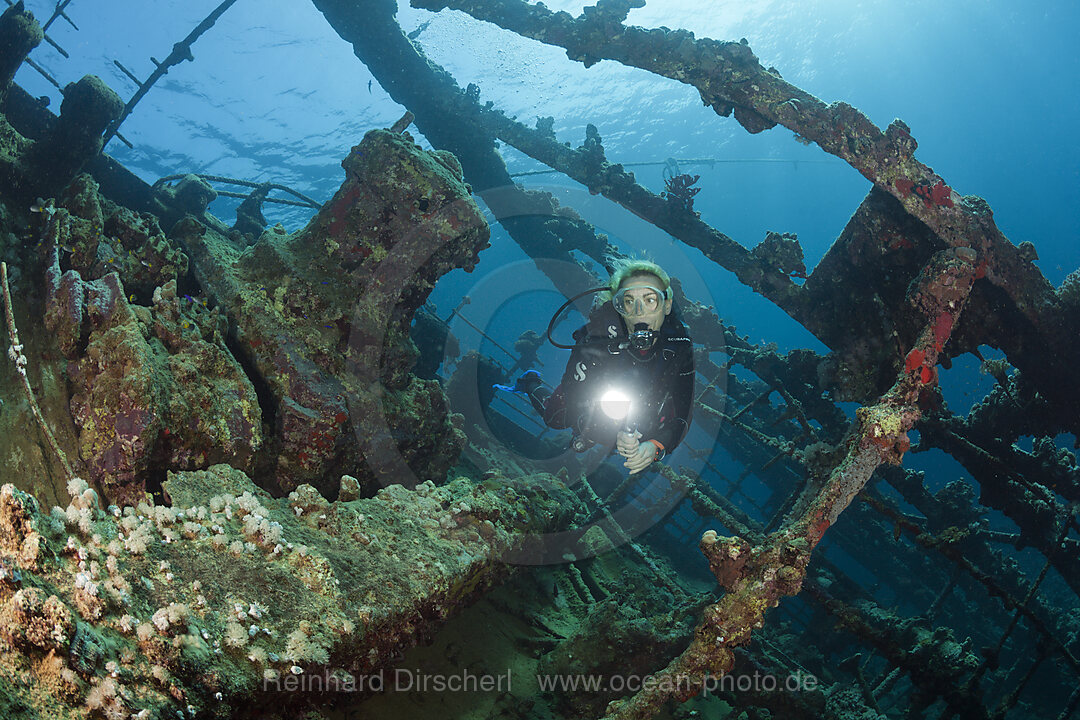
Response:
column 659, row 381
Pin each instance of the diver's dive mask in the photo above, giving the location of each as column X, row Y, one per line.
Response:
column 638, row 300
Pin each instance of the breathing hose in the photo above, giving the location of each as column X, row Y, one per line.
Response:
column 551, row 324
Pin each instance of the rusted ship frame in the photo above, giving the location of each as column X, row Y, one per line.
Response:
column 962, row 262
column 759, row 98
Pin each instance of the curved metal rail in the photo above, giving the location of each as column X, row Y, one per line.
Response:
column 304, row 201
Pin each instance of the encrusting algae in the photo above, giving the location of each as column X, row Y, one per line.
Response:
column 204, row 605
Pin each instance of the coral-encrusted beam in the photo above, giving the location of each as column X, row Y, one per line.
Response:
column 757, row 577
column 15, row 353
column 589, row 167
column 232, row 603
column 730, row 79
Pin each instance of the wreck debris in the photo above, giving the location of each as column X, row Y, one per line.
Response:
column 729, row 77
column 41, row 167
column 965, row 549
column 89, row 105
column 783, row 252
column 249, row 218
column 934, row 660
column 133, row 364
column 210, row 603
column 797, row 379
column 757, row 579
column 301, row 201
column 323, row 316
column 191, row 194
column 970, row 555
column 446, row 115
column 20, row 34
column 1034, row 507
column 16, row 355
column 58, row 12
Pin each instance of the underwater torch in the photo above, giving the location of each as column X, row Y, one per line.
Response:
column 616, row 405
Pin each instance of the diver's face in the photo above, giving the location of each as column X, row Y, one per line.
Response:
column 643, row 302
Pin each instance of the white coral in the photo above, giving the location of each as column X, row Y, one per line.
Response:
column 76, row 486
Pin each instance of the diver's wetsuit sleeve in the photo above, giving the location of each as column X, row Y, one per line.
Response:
column 675, row 414
column 569, row 402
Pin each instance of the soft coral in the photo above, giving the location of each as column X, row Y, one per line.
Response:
column 937, row 194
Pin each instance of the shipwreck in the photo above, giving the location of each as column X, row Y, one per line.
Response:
column 239, row 480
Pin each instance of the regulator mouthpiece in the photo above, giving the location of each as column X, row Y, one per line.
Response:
column 642, row 337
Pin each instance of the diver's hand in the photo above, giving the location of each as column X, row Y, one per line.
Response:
column 627, row 443
column 641, row 458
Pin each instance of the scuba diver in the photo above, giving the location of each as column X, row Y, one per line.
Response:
column 630, row 379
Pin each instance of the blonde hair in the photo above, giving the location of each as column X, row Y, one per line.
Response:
column 622, row 269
